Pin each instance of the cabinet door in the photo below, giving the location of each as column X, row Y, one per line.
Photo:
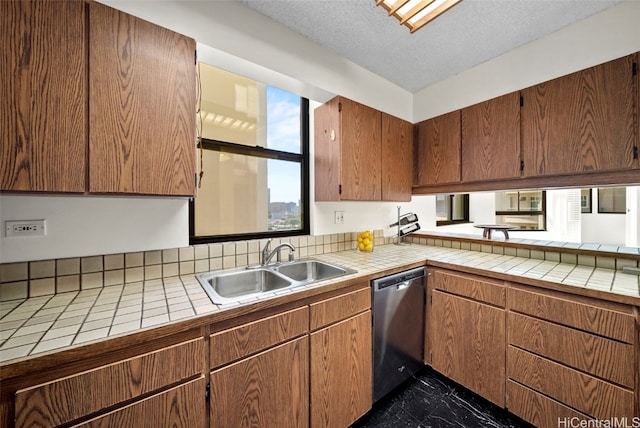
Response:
column 582, row 122
column 438, row 150
column 468, row 344
column 141, row 106
column 491, row 139
column 341, row 372
column 397, row 158
column 43, row 96
column 360, row 154
column 270, row 389
column 180, row 406
column 327, row 151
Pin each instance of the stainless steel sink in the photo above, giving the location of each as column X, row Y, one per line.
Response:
column 310, row 270
column 245, row 284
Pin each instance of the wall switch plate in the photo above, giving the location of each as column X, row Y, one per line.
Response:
column 338, row 217
column 25, row 228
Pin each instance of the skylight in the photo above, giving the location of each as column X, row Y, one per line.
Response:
column 416, row 13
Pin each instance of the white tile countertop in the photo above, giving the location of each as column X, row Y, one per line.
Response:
column 33, row 326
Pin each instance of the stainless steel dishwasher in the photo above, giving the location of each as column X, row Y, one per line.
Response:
column 398, row 329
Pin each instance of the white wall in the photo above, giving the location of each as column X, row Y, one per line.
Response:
column 614, row 229
column 85, row 226
column 610, row 34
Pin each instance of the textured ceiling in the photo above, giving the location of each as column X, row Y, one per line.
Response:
column 471, row 33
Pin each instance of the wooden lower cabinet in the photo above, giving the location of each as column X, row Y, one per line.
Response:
column 341, row 372
column 80, row 395
column 270, row 389
column 570, row 357
column 469, row 344
column 467, row 334
column 341, row 358
column 181, row 406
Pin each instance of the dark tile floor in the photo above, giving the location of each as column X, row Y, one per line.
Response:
column 429, row 399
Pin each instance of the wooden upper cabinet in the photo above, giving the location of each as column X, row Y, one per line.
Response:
column 438, row 150
column 397, row 158
column 582, row 122
column 141, row 106
column 347, row 151
column 43, row 96
column 491, row 139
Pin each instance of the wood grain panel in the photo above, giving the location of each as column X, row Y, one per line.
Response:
column 581, row 122
column 327, row 151
column 582, row 392
column 338, row 308
column 491, row 139
column 142, row 106
column 438, row 150
column 341, row 372
column 537, row 409
column 468, row 344
column 595, row 355
column 181, row 406
column 235, row 343
column 397, row 158
column 605, row 322
column 69, row 398
column 473, row 287
column 270, row 389
column 361, row 145
column 43, row 96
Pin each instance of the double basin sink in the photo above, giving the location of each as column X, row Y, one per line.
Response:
column 252, row 283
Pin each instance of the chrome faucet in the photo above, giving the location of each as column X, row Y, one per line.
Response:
column 267, row 255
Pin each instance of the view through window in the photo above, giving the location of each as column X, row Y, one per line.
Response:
column 254, row 156
column 524, row 209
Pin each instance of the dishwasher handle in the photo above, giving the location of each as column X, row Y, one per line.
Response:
column 402, row 285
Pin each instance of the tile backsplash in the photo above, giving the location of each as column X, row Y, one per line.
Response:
column 45, row 277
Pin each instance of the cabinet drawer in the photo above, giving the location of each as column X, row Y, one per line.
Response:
column 63, row 400
column 471, row 286
column 537, row 409
column 238, row 342
column 596, row 355
column 341, row 307
column 591, row 318
column 582, row 392
column 182, row 406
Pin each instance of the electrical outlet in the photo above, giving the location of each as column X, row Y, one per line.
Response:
column 338, row 217
column 25, row 228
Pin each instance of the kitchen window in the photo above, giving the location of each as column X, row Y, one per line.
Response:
column 612, row 200
column 254, row 156
column 524, row 210
column 452, row 209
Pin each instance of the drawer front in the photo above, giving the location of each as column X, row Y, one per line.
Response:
column 584, row 393
column 604, row 358
column 238, row 342
column 66, row 399
column 541, row 411
column 339, row 308
column 471, row 286
column 594, row 319
column 181, row 406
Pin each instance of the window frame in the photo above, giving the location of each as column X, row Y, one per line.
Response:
column 600, row 209
column 449, row 221
column 542, row 212
column 263, row 153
